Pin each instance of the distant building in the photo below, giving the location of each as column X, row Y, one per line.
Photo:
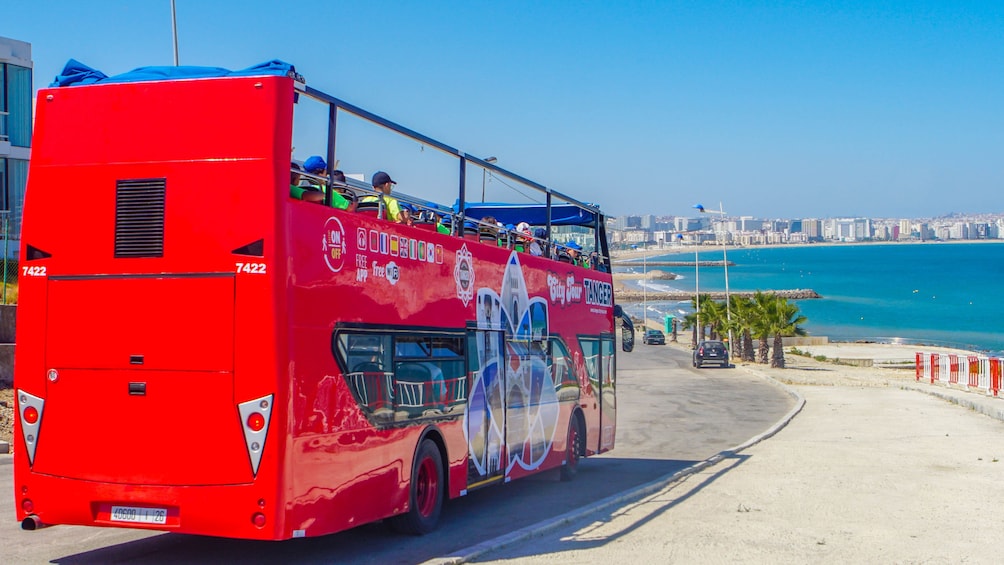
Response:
column 813, row 229
column 905, row 230
column 681, row 224
column 627, row 222
column 15, row 132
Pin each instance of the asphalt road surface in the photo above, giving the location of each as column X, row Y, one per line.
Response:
column 670, row 416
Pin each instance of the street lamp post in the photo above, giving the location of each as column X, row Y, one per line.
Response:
column 483, row 171
column 174, row 32
column 697, row 297
column 644, row 285
column 725, row 260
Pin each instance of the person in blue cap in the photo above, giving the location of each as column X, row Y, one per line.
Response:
column 573, row 250
column 312, row 190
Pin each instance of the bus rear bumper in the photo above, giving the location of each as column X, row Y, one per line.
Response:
column 232, row 511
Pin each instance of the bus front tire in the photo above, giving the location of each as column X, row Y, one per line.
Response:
column 425, row 501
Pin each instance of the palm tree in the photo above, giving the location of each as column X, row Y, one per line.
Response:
column 713, row 314
column 782, row 319
column 743, row 313
column 690, row 322
column 760, row 327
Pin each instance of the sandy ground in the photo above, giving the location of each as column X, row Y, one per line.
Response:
column 872, row 470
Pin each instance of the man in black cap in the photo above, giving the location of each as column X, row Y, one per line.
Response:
column 382, row 183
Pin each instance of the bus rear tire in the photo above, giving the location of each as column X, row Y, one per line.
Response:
column 573, row 450
column 425, row 501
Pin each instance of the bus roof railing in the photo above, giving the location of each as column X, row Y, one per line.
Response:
column 426, row 140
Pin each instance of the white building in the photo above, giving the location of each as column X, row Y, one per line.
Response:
column 15, row 134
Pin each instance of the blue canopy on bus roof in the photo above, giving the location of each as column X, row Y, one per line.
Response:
column 77, row 73
column 533, row 214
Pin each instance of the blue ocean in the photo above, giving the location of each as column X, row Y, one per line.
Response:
column 926, row 293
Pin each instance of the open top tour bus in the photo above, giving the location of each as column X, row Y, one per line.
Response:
column 200, row 352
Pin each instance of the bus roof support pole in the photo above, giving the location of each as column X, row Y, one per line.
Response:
column 458, row 222
column 596, row 241
column 332, row 123
column 548, row 234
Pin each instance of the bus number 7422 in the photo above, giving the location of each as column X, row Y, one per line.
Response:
column 251, row 268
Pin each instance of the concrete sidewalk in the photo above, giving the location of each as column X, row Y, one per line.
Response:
column 868, row 471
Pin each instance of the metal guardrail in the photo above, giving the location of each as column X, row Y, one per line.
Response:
column 8, row 290
column 973, row 372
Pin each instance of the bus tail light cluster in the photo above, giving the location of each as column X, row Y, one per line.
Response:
column 30, row 411
column 255, row 416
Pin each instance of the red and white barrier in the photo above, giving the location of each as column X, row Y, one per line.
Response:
column 974, row 372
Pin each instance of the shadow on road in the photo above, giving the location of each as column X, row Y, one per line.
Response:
column 482, row 515
column 607, row 526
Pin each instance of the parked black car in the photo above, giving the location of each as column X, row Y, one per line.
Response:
column 711, row 352
column 654, row 337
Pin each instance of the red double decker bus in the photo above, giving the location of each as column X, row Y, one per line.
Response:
column 199, row 352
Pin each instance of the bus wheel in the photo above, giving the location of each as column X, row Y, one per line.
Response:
column 426, row 498
column 573, row 450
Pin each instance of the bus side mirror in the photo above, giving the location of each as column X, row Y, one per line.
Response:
column 627, row 333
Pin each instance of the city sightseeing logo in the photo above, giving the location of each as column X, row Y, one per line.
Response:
column 463, row 274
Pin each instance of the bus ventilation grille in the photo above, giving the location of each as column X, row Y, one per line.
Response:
column 139, row 218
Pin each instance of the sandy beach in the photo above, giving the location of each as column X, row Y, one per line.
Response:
column 874, row 468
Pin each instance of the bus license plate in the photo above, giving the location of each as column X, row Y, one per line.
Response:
column 139, row 515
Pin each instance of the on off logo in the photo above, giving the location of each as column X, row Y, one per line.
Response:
column 334, row 244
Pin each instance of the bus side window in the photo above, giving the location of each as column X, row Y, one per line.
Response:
column 414, row 387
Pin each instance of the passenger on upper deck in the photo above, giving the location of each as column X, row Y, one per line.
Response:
column 538, row 245
column 315, row 165
column 571, row 251
column 595, row 263
column 523, row 237
column 488, row 230
column 382, row 183
column 299, row 190
column 341, row 188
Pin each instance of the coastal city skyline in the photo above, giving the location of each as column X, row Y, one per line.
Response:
column 662, row 230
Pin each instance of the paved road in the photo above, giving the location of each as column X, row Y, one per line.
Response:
column 669, row 416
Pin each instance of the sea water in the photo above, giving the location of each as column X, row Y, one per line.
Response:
column 928, row 293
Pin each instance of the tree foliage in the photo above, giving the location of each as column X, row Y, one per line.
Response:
column 764, row 317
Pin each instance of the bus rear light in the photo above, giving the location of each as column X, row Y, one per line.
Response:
column 30, row 408
column 31, row 415
column 255, row 415
column 258, row 519
column 27, row 506
column 256, row 422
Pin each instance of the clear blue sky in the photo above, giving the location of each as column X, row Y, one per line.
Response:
column 774, row 108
